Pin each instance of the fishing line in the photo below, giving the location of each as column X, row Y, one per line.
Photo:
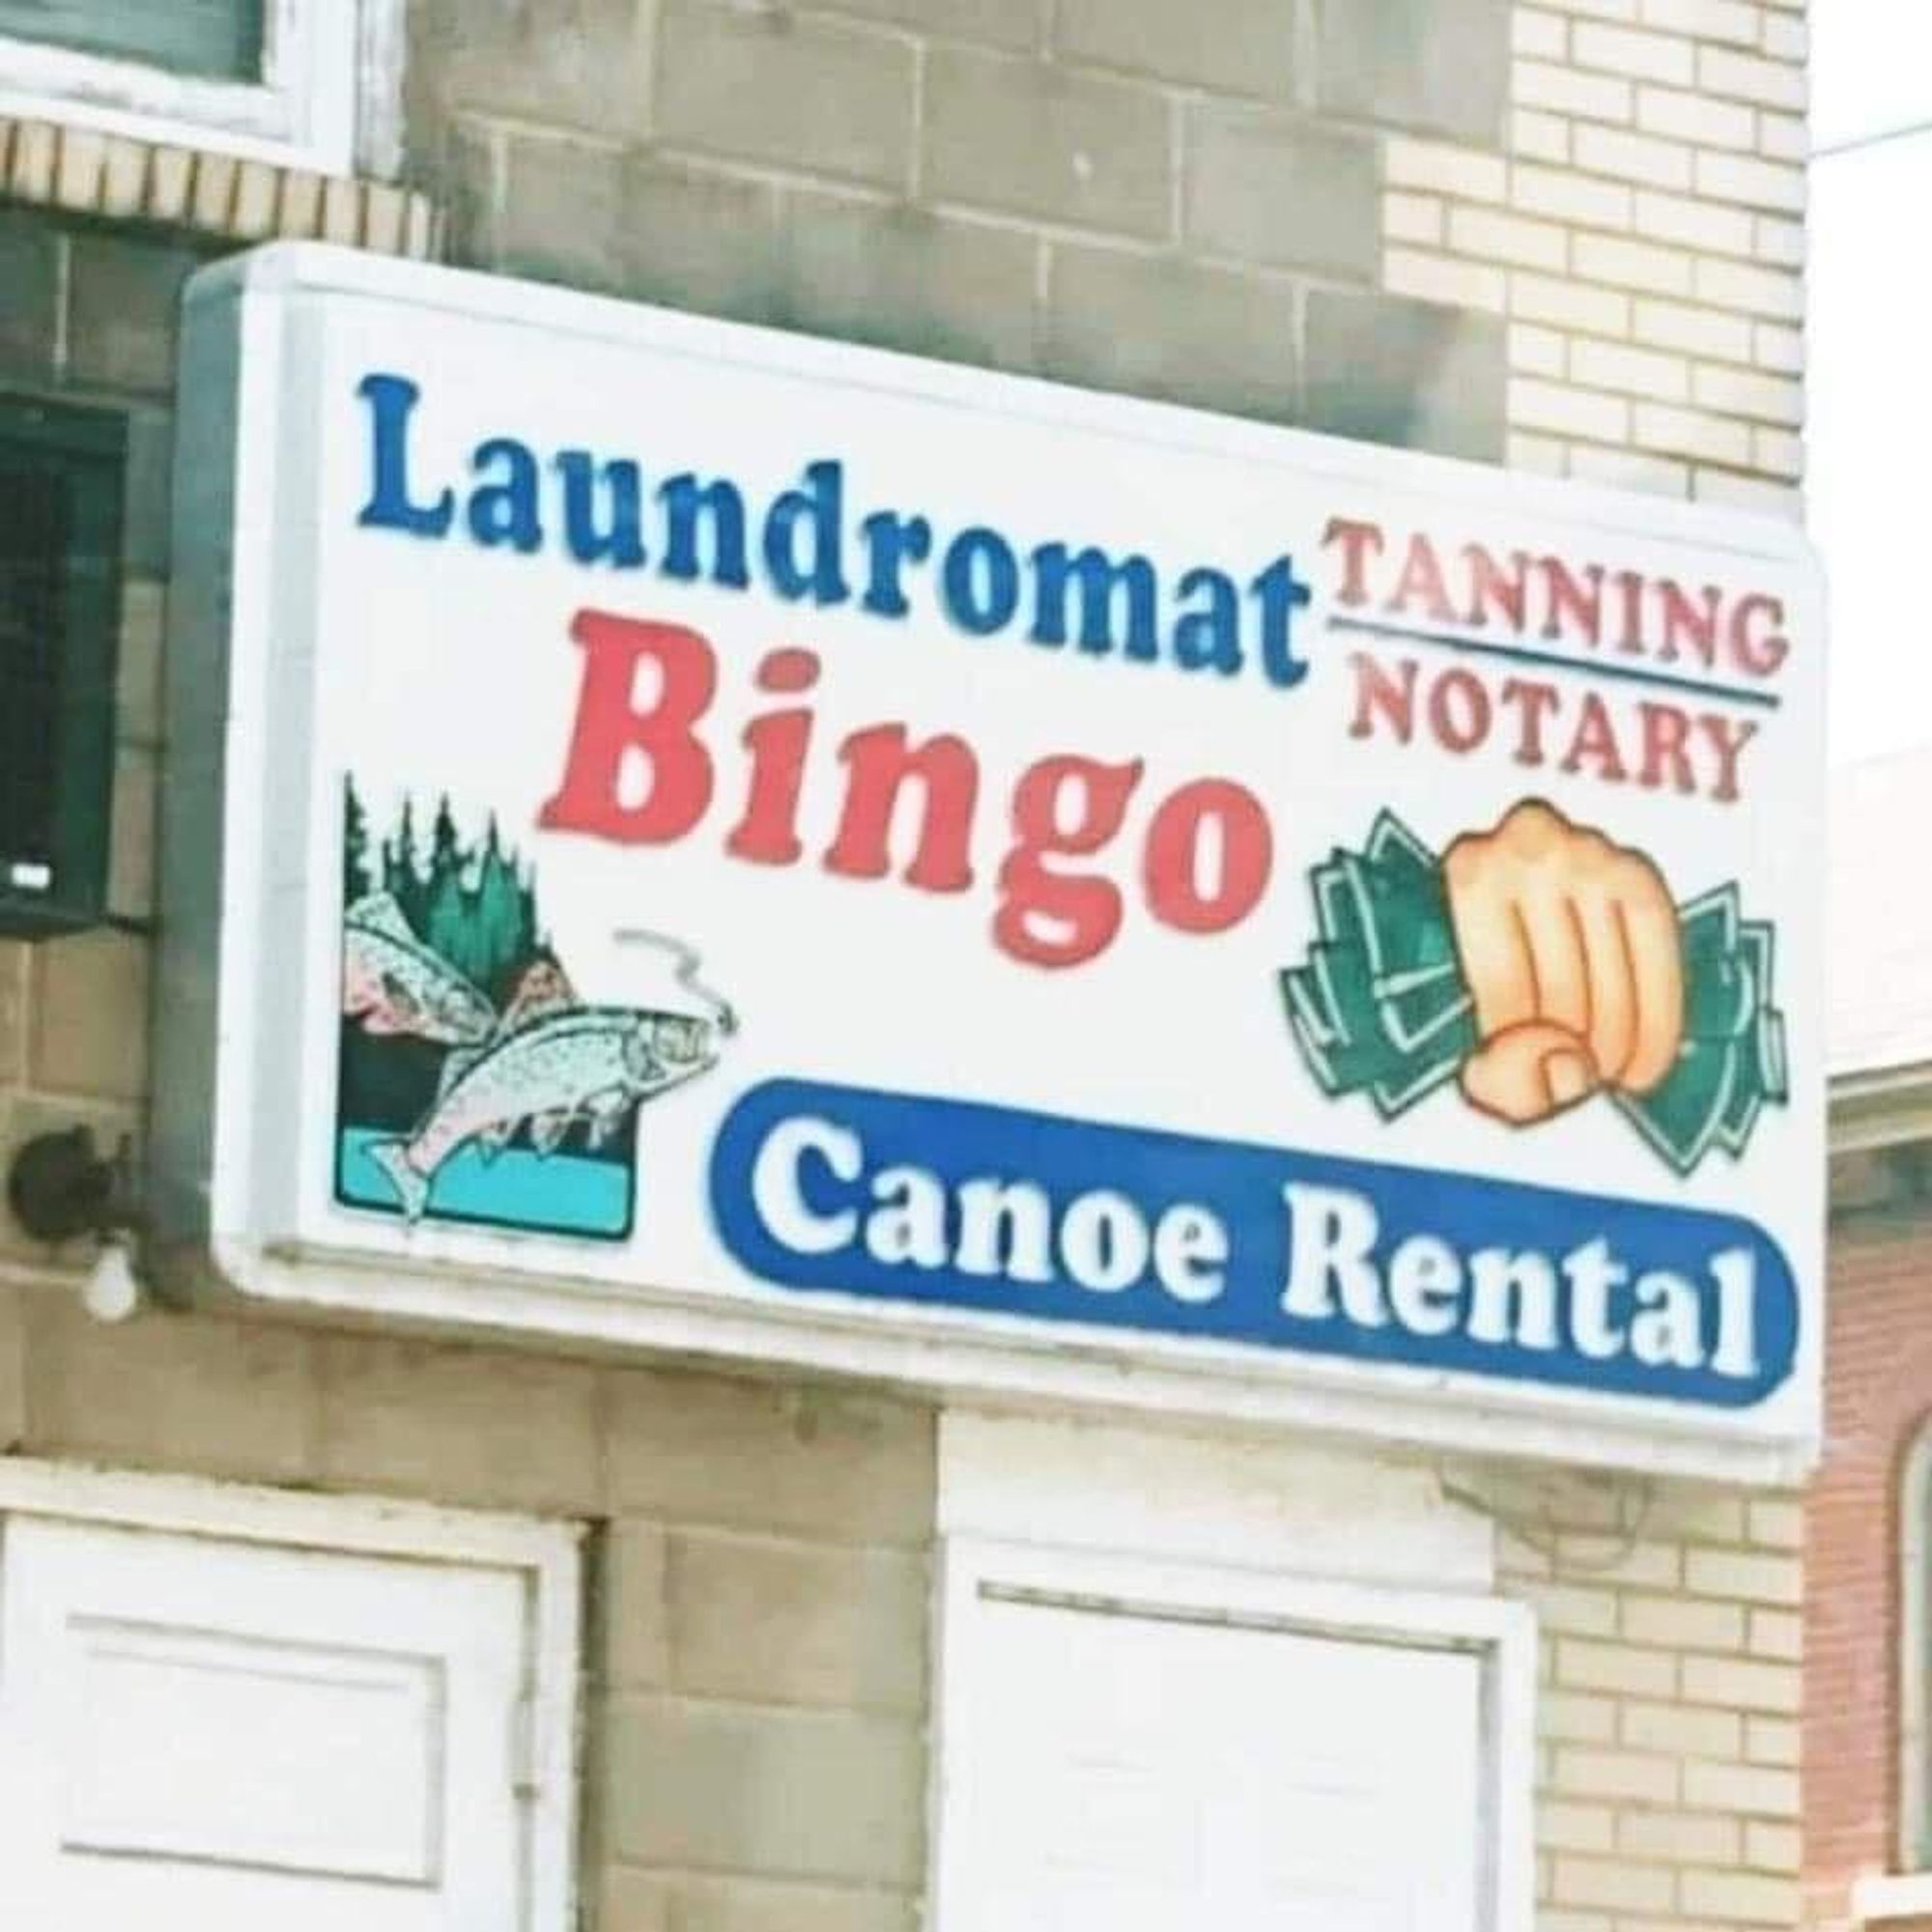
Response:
column 685, row 972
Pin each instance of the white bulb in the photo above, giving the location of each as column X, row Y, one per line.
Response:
column 112, row 1291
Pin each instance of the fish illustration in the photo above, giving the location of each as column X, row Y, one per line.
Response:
column 394, row 983
column 594, row 1064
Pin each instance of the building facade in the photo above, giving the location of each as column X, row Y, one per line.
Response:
column 1563, row 238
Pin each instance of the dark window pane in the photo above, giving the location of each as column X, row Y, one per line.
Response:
column 36, row 514
column 215, row 38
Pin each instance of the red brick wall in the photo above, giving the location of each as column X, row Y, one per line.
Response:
column 1878, row 1381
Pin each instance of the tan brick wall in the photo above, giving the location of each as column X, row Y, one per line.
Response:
column 1668, row 1703
column 1643, row 238
column 756, row 1684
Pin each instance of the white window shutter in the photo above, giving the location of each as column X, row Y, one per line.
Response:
column 229, row 1734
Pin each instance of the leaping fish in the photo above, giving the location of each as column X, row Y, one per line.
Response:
column 591, row 1063
column 394, row 983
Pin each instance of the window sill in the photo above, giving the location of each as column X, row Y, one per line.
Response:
column 1882, row 1898
column 117, row 177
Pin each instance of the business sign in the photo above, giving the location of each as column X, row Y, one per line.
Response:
column 713, row 839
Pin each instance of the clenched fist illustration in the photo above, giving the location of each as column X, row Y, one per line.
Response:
column 1569, row 949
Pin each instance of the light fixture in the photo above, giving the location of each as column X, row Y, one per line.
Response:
column 61, row 1187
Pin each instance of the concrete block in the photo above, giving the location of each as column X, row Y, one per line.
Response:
column 1155, row 326
column 1572, row 1717
column 800, row 1461
column 1437, row 66
column 1584, row 1665
column 635, row 1902
column 187, row 1392
column 995, row 23
column 1243, row 46
column 1613, row 1884
column 1284, row 192
column 631, row 1605
column 1740, row 1897
column 748, row 1904
column 90, row 1016
column 1406, row 373
column 16, row 959
column 580, row 64
column 12, row 1369
column 1773, row 1848
column 1444, row 281
column 30, row 249
column 789, row 90
column 901, row 278
column 137, row 702
column 559, row 217
column 700, row 240
column 147, row 509
column 468, row 1425
column 1030, row 139
column 131, row 852
column 124, row 303
column 783, row 1623
column 808, row 1795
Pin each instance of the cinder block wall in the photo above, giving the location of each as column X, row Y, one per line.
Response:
column 1425, row 221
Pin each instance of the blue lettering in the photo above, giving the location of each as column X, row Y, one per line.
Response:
column 819, row 511
column 392, row 400
column 621, row 539
column 1281, row 594
column 504, row 510
column 981, row 581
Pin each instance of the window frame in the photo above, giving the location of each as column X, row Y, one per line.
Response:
column 89, row 448
column 1499, row 1634
column 328, row 100
column 1913, row 1836
column 546, row 1553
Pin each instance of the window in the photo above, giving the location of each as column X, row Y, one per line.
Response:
column 60, row 549
column 271, row 80
column 230, row 1709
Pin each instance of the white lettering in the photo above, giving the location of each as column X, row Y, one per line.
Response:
column 909, row 1223
column 1331, row 1232
column 1103, row 1241
column 1736, row 1352
column 788, row 1217
column 1005, row 1228
column 1424, row 1286
column 1190, row 1252
column 1513, row 1298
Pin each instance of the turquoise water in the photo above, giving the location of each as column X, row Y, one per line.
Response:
column 564, row 1194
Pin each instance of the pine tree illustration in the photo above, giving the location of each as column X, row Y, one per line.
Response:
column 355, row 846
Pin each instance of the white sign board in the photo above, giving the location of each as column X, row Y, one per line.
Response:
column 687, row 836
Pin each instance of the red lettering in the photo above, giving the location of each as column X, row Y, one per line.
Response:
column 1489, row 585
column 612, row 735
column 1573, row 601
column 1728, row 739
column 1377, row 691
column 1080, row 915
column 1683, row 620
column 878, row 763
column 1171, row 866
column 1664, row 731
column 1596, row 738
column 1422, row 578
column 777, row 741
column 1359, row 542
column 1760, row 653
column 1534, row 704
column 1465, row 733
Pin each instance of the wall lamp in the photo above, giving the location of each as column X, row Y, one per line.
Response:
column 61, row 1187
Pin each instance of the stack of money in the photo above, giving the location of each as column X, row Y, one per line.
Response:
column 1379, row 1006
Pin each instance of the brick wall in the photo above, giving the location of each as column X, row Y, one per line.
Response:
column 1878, row 1400
column 1425, row 221
column 1669, row 1712
column 1643, row 234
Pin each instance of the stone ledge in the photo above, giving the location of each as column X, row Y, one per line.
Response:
column 82, row 171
